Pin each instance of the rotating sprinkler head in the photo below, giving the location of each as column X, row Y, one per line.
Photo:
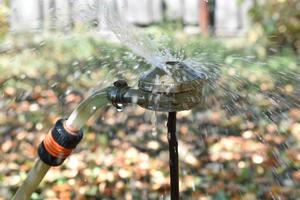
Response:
column 175, row 87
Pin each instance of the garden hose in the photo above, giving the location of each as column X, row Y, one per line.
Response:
column 60, row 142
column 53, row 150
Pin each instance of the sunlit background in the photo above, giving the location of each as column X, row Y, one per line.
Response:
column 243, row 142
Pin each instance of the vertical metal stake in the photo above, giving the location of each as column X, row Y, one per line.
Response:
column 173, row 151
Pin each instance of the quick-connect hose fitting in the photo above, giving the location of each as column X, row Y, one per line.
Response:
column 121, row 94
column 58, row 144
column 116, row 94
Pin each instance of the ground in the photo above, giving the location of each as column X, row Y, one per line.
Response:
column 242, row 143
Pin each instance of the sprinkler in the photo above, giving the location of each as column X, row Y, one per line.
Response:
column 175, row 87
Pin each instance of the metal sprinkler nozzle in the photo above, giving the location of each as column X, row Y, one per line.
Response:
column 175, row 87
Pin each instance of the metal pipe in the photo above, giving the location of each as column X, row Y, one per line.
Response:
column 173, row 151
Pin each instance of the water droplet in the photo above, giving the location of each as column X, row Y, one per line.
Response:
column 23, row 76
column 120, row 107
column 75, row 63
column 54, row 85
column 42, row 43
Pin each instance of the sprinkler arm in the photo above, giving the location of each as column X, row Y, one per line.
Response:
column 118, row 95
column 121, row 94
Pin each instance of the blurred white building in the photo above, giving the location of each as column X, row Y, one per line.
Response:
column 229, row 17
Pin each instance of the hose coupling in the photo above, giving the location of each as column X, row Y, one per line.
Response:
column 58, row 144
column 116, row 94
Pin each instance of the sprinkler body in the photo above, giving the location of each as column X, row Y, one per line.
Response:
column 175, row 88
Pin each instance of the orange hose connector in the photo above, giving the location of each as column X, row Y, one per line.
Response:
column 54, row 148
column 58, row 144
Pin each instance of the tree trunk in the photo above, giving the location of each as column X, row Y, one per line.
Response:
column 204, row 18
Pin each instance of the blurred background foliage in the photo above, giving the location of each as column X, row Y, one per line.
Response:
column 4, row 27
column 279, row 21
column 224, row 154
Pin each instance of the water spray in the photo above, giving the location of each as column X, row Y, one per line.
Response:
column 173, row 88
